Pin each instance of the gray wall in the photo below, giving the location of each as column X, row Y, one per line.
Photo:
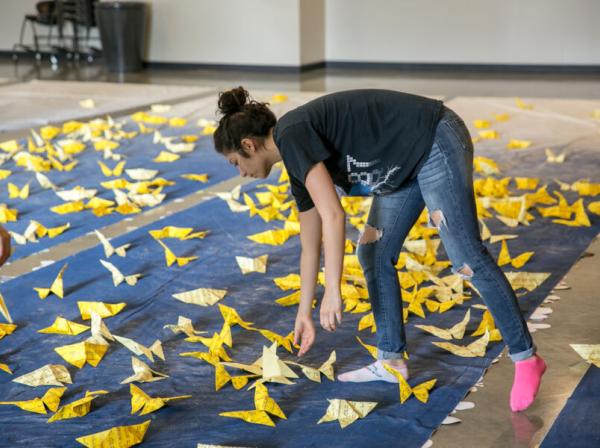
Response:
column 464, row 31
column 11, row 17
column 246, row 32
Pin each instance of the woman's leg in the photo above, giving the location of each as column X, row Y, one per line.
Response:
column 390, row 219
column 446, row 182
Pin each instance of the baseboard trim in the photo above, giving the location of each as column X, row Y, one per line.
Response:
column 372, row 66
column 235, row 67
column 434, row 67
column 7, row 54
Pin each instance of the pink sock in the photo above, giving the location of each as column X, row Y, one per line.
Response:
column 528, row 376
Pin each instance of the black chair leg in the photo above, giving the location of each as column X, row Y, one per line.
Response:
column 36, row 44
column 20, row 45
column 22, row 33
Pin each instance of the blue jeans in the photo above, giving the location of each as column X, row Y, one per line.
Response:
column 445, row 185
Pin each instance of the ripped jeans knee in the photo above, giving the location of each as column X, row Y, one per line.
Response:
column 464, row 271
column 370, row 235
column 436, row 219
column 366, row 247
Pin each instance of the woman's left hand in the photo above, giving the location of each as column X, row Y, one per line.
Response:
column 331, row 309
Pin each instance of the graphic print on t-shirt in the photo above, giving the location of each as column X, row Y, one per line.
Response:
column 371, row 141
column 365, row 179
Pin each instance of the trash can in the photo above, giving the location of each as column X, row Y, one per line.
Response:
column 122, row 26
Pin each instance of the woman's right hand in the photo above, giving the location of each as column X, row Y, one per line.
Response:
column 304, row 333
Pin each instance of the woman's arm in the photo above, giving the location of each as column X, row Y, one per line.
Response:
column 310, row 238
column 322, row 192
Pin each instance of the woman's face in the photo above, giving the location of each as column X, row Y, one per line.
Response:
column 256, row 165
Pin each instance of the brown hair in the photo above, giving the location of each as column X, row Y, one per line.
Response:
column 241, row 118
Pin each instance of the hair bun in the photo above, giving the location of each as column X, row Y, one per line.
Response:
column 232, row 101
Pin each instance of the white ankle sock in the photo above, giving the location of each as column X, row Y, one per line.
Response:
column 373, row 372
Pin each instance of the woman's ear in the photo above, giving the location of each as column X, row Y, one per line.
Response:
column 248, row 145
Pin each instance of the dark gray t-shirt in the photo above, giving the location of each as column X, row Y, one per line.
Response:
column 371, row 141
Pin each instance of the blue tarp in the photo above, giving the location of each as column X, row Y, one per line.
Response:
column 138, row 152
column 150, row 306
column 578, row 424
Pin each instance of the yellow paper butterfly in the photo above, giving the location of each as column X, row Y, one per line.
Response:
column 118, row 277
column 554, row 158
column 455, row 332
column 516, row 262
column 56, row 287
column 475, row 348
column 16, row 192
column 518, row 144
column 171, row 258
column 116, row 171
column 60, row 166
column 522, row 104
column 197, row 177
column 420, row 391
